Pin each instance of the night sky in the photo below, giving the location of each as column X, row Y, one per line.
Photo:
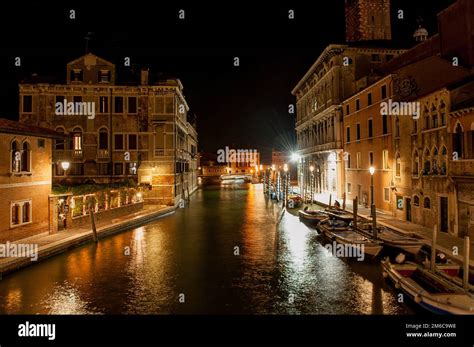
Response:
column 240, row 107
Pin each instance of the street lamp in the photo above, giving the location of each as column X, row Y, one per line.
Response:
column 65, row 165
column 311, row 169
column 372, row 205
column 295, row 157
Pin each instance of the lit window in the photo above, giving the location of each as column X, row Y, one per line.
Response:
column 398, row 165
column 21, row 213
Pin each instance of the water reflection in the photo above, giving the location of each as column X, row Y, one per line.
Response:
column 281, row 267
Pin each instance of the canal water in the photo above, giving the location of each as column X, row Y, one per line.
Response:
column 225, row 253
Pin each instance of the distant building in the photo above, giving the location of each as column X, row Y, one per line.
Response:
column 279, row 158
column 210, row 167
column 247, row 164
column 25, row 179
column 135, row 130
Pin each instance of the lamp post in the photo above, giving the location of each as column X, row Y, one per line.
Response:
column 372, row 203
column 311, row 169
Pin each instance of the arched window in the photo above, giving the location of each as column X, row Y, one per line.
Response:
column 77, row 139
column 397, row 127
column 25, row 157
column 444, row 161
column 416, row 164
column 398, row 165
column 15, row 156
column 103, row 138
column 434, row 160
column 416, row 201
column 426, row 118
column 434, row 117
column 426, row 162
column 427, row 203
column 458, row 141
column 442, row 111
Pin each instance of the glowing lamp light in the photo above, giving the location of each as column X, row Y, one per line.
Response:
column 273, row 167
column 261, row 167
column 65, row 165
column 285, row 168
column 295, row 157
column 311, row 168
column 371, row 170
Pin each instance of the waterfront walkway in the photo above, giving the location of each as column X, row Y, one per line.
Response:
column 51, row 244
column 445, row 241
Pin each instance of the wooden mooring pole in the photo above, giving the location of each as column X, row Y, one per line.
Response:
column 94, row 230
column 433, row 247
column 465, row 277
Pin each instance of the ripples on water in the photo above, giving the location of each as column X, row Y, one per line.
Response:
column 281, row 268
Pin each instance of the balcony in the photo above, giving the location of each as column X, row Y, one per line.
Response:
column 161, row 152
column 103, row 154
column 67, row 154
column 462, row 168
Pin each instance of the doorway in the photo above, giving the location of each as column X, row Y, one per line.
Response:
column 443, row 214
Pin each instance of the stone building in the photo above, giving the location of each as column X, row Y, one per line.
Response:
column 461, row 163
column 279, row 159
column 339, row 72
column 133, row 130
column 429, row 184
column 368, row 143
column 367, row 20
column 25, row 179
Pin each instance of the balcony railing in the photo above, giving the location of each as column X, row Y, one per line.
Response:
column 462, row 168
column 160, row 152
column 103, row 154
column 67, row 154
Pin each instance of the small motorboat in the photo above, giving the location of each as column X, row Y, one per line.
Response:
column 429, row 289
column 313, row 216
column 235, row 179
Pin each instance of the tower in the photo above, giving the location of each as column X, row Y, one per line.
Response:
column 367, row 20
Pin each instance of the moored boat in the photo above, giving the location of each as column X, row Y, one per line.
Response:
column 340, row 231
column 428, row 289
column 312, row 216
column 393, row 239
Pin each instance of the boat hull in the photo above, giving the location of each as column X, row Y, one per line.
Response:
column 450, row 302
